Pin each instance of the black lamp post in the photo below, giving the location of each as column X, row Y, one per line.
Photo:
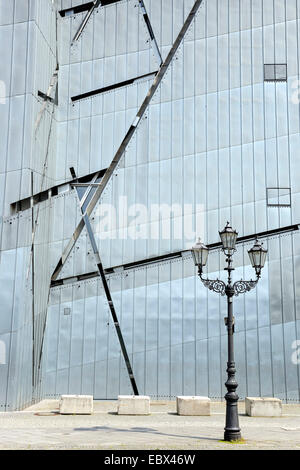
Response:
column 257, row 256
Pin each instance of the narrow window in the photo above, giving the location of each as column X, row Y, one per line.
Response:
column 72, row 171
column 108, row 2
column 75, row 10
column 91, row 181
column 106, row 89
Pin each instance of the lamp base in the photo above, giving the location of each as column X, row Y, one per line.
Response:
column 232, row 435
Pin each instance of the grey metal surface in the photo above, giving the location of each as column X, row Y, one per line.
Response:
column 175, row 334
column 212, row 124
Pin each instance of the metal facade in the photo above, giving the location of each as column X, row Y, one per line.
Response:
column 200, row 128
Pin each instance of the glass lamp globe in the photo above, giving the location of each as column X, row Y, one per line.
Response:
column 228, row 237
column 258, row 256
column 200, row 254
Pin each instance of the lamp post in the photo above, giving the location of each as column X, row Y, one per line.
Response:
column 257, row 256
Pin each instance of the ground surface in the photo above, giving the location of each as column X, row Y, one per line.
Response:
column 40, row 427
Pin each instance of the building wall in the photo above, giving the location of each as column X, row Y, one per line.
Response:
column 211, row 141
column 28, row 61
column 175, row 333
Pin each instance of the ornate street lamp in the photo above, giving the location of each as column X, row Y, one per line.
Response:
column 257, row 256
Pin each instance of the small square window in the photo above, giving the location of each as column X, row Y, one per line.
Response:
column 279, row 197
column 67, row 311
column 275, row 72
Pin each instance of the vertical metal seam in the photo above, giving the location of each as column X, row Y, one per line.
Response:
column 289, row 170
column 57, row 345
column 91, row 104
column 170, row 334
column 254, row 203
column 195, row 203
column 266, row 177
column 120, row 320
column 145, row 330
column 171, row 190
column 293, row 240
column 279, row 214
column 107, row 347
column 5, row 183
column 32, row 282
column 243, row 219
column 206, row 186
column 218, row 152
column 287, row 107
column 23, row 140
column 70, row 347
column 182, row 172
column 95, row 340
column 158, row 331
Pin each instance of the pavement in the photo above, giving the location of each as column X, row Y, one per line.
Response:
column 41, row 427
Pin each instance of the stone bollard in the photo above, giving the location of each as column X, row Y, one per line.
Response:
column 263, row 407
column 133, row 405
column 76, row 405
column 193, row 406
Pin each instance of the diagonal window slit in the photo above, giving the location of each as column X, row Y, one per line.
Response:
column 151, row 33
column 77, row 9
column 175, row 255
column 47, row 98
column 90, row 8
column 106, row 89
column 82, row 182
column 103, row 3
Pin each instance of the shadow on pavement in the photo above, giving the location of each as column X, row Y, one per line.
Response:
column 144, row 430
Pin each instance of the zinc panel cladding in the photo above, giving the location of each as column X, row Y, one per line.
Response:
column 248, row 149
column 19, row 69
column 213, row 119
column 25, row 70
column 181, row 348
column 246, row 211
column 107, row 116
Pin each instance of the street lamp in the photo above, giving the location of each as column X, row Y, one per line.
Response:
column 257, row 256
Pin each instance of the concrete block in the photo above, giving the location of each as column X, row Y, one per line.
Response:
column 264, row 407
column 76, row 404
column 133, row 405
column 193, row 406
